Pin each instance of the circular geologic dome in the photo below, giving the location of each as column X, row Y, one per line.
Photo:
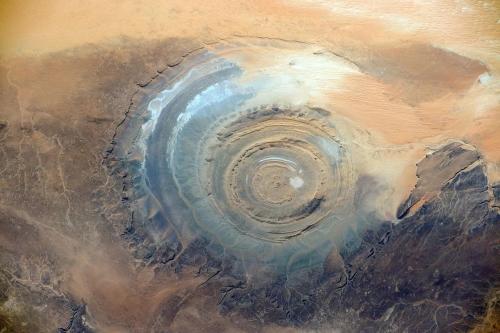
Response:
column 270, row 173
column 244, row 154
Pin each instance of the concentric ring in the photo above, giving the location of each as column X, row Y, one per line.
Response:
column 251, row 169
column 275, row 174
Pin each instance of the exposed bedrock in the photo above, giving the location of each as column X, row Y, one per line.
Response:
column 265, row 201
column 431, row 271
column 256, row 193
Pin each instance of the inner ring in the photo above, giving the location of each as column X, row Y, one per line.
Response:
column 276, row 180
column 279, row 182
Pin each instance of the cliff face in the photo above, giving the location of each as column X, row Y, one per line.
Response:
column 280, row 167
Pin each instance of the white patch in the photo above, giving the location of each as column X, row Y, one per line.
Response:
column 296, row 182
column 484, row 78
